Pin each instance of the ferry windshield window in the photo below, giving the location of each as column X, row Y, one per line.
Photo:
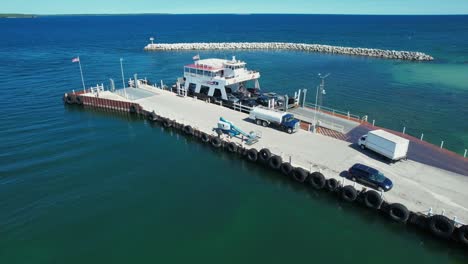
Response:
column 379, row 177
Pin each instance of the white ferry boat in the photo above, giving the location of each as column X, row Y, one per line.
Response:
column 220, row 79
column 230, row 82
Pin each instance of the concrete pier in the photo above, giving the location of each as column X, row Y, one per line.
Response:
column 419, row 186
column 353, row 51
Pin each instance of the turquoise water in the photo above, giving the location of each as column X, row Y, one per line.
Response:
column 87, row 186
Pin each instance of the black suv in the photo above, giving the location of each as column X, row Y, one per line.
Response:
column 370, row 177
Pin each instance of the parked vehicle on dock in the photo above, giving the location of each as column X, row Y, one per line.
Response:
column 262, row 100
column 231, row 100
column 265, row 117
column 227, row 127
column 370, row 177
column 266, row 99
column 254, row 91
column 250, row 102
column 386, row 144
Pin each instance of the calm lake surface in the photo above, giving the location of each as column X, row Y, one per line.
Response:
column 92, row 187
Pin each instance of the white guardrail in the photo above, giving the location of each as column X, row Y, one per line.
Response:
column 241, row 108
column 123, row 94
column 332, row 111
column 332, row 126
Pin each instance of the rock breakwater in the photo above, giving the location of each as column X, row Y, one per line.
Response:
column 377, row 53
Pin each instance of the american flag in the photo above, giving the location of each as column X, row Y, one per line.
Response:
column 77, row 59
column 196, row 57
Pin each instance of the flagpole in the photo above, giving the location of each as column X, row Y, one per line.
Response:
column 123, row 78
column 81, row 72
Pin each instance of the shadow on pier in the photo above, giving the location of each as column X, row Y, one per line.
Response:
column 419, row 151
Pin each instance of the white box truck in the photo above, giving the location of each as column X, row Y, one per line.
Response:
column 265, row 117
column 386, row 144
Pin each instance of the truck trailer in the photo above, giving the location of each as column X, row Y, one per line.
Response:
column 386, row 144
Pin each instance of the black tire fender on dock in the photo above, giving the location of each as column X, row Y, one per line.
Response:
column 152, row 116
column 275, row 162
column 286, row 168
column 372, row 199
column 299, row 174
column 240, row 150
column 79, row 100
column 265, row 155
column 205, row 138
column 462, row 235
column 332, row 184
column 70, row 99
column 188, row 130
column 232, row 147
column 398, row 212
column 418, row 220
column 134, row 109
column 252, row 155
column 216, row 142
column 348, row 193
column 441, row 226
column 196, row 133
column 317, row 180
column 167, row 123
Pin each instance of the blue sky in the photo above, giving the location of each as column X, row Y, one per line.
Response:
column 235, row 6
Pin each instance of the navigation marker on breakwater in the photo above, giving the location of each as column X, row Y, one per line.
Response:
column 376, row 53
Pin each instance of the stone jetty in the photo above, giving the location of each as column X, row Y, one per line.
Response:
column 377, row 53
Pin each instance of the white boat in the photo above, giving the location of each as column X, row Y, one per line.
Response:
column 219, row 79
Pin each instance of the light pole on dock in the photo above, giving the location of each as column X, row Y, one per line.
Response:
column 315, row 112
column 317, row 94
column 152, row 39
column 304, row 92
column 123, row 78
column 322, row 88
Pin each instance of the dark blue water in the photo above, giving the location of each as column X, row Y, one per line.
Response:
column 427, row 98
column 81, row 186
